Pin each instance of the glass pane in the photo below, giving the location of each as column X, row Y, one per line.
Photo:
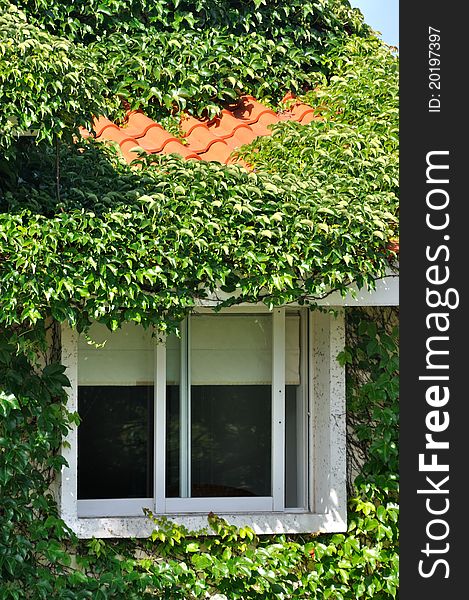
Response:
column 123, row 357
column 172, row 441
column 291, row 447
column 231, row 350
column 294, row 414
column 115, row 403
column 292, row 349
column 231, row 440
column 173, row 376
column 115, row 442
column 231, row 400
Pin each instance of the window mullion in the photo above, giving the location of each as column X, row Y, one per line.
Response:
column 278, row 409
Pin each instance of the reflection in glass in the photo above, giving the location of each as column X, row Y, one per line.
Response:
column 115, row 442
column 231, row 440
column 294, row 414
column 291, row 447
column 172, row 441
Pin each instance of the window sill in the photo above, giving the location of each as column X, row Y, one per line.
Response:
column 261, row 523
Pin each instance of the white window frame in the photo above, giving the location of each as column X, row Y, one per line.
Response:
column 322, row 478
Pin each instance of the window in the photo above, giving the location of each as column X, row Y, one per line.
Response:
column 116, row 434
column 233, row 416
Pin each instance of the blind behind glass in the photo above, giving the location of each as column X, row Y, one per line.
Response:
column 122, row 357
column 234, row 350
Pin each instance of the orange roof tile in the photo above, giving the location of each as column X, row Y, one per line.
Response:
column 211, row 140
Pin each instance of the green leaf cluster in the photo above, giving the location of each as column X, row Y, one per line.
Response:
column 48, row 84
column 33, row 421
column 61, row 62
column 356, row 139
column 372, row 361
column 91, row 19
column 128, row 245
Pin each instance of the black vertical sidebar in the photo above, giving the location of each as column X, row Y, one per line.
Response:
column 434, row 252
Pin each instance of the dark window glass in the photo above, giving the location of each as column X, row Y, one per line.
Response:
column 172, row 441
column 291, row 446
column 231, row 440
column 115, row 442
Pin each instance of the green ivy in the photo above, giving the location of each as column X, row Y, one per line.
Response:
column 114, row 244
column 69, row 60
column 90, row 19
column 358, row 137
column 372, row 363
column 154, row 244
column 48, row 84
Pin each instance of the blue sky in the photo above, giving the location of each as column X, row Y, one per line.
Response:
column 382, row 16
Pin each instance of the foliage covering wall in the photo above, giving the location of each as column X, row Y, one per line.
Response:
column 85, row 237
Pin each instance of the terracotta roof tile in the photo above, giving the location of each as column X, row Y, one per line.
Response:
column 189, row 123
column 129, row 149
column 201, row 138
column 137, row 123
column 240, row 137
column 303, row 113
column 175, row 147
column 118, row 135
column 219, row 151
column 211, row 140
column 228, row 128
column 155, row 139
column 101, row 124
column 250, row 111
column 298, row 111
